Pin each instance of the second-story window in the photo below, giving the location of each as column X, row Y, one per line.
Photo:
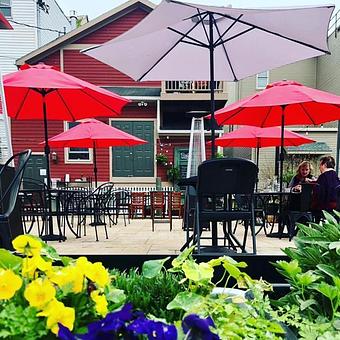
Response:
column 262, row 80
column 81, row 155
column 5, row 8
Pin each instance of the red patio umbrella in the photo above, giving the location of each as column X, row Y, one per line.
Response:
column 41, row 92
column 94, row 134
column 255, row 137
column 282, row 103
column 4, row 24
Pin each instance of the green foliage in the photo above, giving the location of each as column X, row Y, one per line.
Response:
column 219, row 155
column 151, row 295
column 174, row 174
column 313, row 274
column 162, row 159
column 287, row 176
column 18, row 322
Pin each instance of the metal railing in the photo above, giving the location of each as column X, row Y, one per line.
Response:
column 334, row 24
column 190, row 86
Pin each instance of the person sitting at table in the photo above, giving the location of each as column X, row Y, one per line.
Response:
column 325, row 190
column 303, row 175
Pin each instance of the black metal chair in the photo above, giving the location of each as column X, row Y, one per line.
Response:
column 9, row 197
column 218, row 181
column 95, row 205
column 299, row 209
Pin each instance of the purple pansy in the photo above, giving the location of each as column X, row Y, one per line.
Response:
column 198, row 328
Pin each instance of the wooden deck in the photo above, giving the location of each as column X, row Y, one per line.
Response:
column 138, row 238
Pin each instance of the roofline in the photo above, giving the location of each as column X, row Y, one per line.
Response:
column 54, row 45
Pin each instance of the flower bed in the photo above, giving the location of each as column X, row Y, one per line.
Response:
column 43, row 295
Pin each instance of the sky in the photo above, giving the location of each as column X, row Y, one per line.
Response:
column 96, row 8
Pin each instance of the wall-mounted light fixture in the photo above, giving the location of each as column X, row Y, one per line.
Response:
column 142, row 104
column 54, row 157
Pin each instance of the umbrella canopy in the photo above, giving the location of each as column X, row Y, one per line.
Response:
column 41, row 92
column 282, row 103
column 66, row 97
column 4, row 24
column 298, row 104
column 94, row 134
column 255, row 137
column 181, row 41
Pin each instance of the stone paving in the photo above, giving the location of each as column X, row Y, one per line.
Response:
column 137, row 238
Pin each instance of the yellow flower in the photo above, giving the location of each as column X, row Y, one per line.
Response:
column 39, row 292
column 83, row 264
column 100, row 301
column 56, row 313
column 27, row 245
column 9, row 284
column 31, row 264
column 69, row 278
column 97, row 273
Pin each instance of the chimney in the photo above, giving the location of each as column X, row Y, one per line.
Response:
column 73, row 19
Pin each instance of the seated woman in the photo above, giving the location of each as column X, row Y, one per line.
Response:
column 303, row 175
column 325, row 192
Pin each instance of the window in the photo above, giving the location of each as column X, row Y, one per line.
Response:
column 262, row 80
column 5, row 8
column 81, row 155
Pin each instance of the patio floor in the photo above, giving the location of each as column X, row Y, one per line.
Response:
column 138, row 238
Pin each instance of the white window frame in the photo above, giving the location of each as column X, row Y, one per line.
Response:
column 76, row 161
column 261, row 76
column 5, row 6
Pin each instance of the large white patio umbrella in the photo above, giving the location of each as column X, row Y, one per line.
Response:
column 182, row 41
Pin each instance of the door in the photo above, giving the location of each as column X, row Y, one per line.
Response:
column 36, row 169
column 136, row 161
column 181, row 160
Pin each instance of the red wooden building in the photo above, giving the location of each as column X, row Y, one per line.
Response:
column 160, row 112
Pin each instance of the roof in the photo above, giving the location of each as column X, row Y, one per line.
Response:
column 84, row 30
column 135, row 91
column 316, row 148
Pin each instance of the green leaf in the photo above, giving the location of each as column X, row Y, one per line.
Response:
column 177, row 262
column 185, row 301
column 152, row 268
column 329, row 270
column 232, row 270
column 50, row 252
column 305, row 304
column 197, row 272
column 8, row 260
column 335, row 245
column 329, row 217
column 307, row 278
column 327, row 290
column 291, row 268
column 115, row 295
column 66, row 260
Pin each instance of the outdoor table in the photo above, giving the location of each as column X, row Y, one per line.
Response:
column 263, row 199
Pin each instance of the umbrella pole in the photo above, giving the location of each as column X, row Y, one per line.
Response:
column 212, row 85
column 281, row 226
column 95, row 164
column 257, row 164
column 50, row 236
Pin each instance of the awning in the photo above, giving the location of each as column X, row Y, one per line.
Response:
column 135, row 91
column 316, row 148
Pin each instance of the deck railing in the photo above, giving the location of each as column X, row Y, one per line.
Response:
column 190, row 86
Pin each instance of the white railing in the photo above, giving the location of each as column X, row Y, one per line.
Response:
column 187, row 86
column 334, row 24
column 144, row 189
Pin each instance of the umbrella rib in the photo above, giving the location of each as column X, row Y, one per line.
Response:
column 307, row 113
column 169, row 50
column 277, row 34
column 185, row 35
column 224, row 48
column 227, row 30
column 202, row 22
column 267, row 115
column 233, row 115
column 222, row 42
column 63, row 100
column 22, row 104
column 94, row 98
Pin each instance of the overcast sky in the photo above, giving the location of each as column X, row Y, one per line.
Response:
column 96, row 8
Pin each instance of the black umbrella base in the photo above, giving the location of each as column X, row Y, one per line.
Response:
column 218, row 250
column 52, row 237
column 278, row 235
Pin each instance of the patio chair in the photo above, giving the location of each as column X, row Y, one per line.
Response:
column 9, row 194
column 137, row 204
column 157, row 206
column 299, row 209
column 174, row 205
column 218, row 181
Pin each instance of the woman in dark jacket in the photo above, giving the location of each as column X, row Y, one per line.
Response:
column 303, row 175
column 325, row 190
